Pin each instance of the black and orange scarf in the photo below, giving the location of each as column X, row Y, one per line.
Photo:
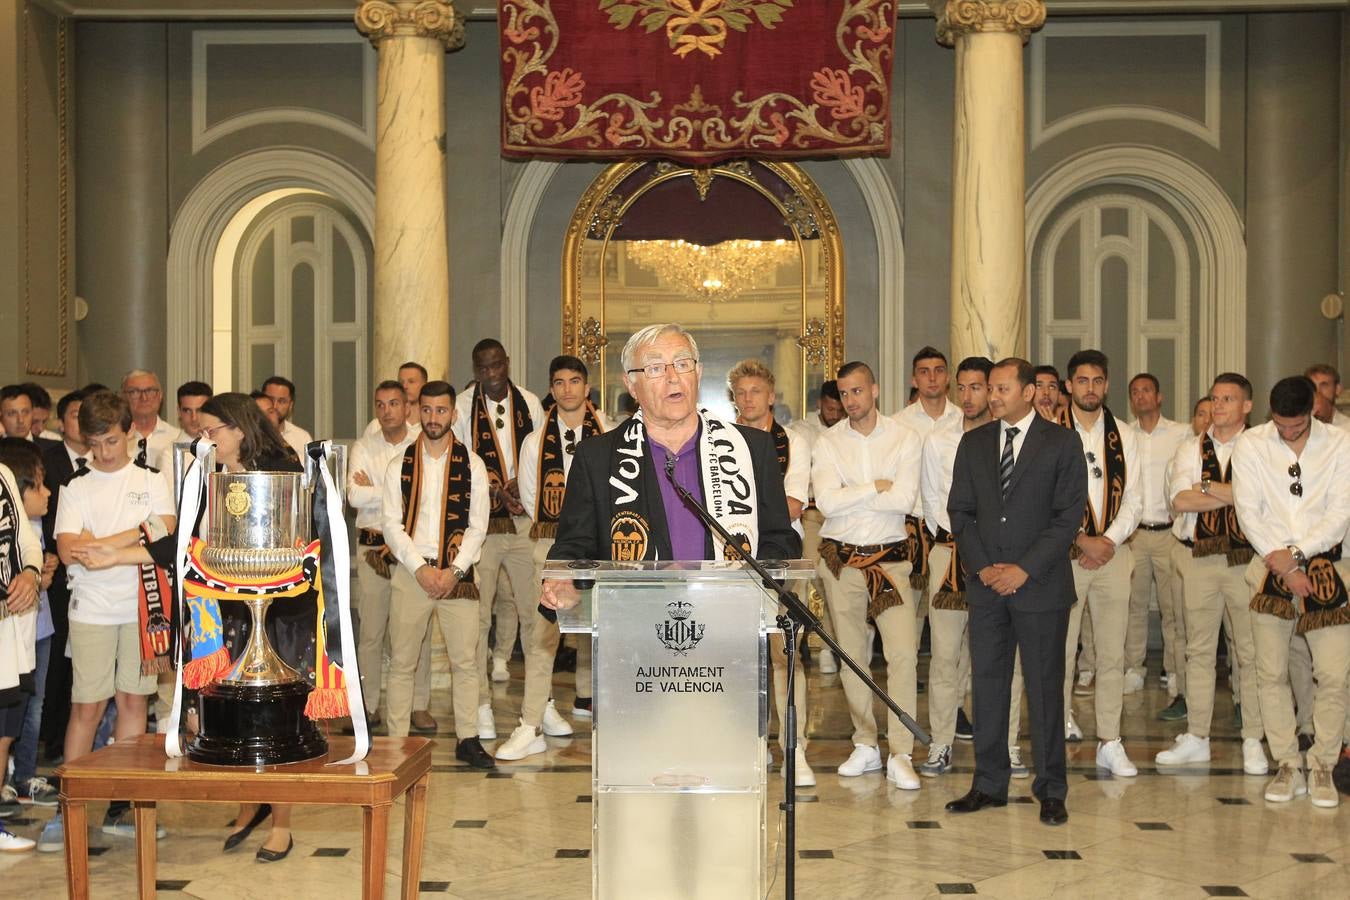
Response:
column 487, row 447
column 552, row 482
column 883, row 591
column 1095, row 525
column 1218, row 530
column 1327, row 605
column 782, row 448
column 456, row 489
column 952, row 593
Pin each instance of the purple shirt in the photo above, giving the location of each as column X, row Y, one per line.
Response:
column 687, row 533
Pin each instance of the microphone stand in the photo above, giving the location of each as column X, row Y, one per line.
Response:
column 798, row 620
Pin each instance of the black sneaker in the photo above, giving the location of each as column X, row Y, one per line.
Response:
column 471, row 751
column 964, row 730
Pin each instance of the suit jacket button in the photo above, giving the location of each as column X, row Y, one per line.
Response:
column 1003, row 518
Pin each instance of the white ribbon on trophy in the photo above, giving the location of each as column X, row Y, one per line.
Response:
column 192, row 495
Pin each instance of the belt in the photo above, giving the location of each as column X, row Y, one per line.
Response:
column 869, row 549
column 1155, row 526
column 369, row 537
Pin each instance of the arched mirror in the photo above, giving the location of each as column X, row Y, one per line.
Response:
column 746, row 255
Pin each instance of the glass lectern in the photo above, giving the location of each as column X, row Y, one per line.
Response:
column 681, row 704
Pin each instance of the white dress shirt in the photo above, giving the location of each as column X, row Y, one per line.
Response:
column 845, row 467
column 372, row 455
column 916, row 417
column 296, row 437
column 505, row 434
column 809, row 429
column 1131, row 504
column 1270, row 514
column 1340, row 420
column 935, row 476
column 414, row 550
column 1184, row 471
column 1156, row 450
column 528, row 482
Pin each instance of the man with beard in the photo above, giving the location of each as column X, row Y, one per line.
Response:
column 494, row 420
column 949, row 664
column 435, row 521
column 1101, row 562
column 282, row 392
column 546, row 462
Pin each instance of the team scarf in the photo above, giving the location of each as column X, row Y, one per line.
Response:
column 781, row 445
column 455, row 492
column 152, row 610
column 1095, row 525
column 1218, row 530
column 952, row 593
column 552, row 481
column 729, row 491
column 11, row 520
column 916, row 533
column 884, row 592
column 1326, row 606
column 486, row 445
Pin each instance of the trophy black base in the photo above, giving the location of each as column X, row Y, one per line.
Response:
column 255, row 725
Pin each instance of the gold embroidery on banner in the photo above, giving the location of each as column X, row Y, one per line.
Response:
column 695, row 25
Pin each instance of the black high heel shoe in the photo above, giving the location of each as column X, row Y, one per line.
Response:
column 242, row 834
column 267, row 856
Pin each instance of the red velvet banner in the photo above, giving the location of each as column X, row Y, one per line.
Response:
column 696, row 80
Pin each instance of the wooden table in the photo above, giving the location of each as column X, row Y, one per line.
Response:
column 138, row 771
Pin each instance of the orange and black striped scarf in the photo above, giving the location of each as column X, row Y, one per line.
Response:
column 1095, row 525
column 952, row 593
column 552, row 482
column 883, row 591
column 456, row 488
column 1327, row 605
column 1218, row 530
column 486, row 445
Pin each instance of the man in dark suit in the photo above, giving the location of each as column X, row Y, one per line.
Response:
column 1016, row 503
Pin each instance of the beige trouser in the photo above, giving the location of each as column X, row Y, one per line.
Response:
column 1087, row 658
column 372, row 606
column 508, row 620
column 949, row 662
column 1301, row 681
column 1211, row 586
column 1152, row 552
column 1106, row 594
column 513, row 553
column 1330, row 648
column 848, row 599
column 540, row 640
column 410, row 610
column 583, row 684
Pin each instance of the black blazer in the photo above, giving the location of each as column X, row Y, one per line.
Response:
column 1037, row 523
column 583, row 522
column 57, row 470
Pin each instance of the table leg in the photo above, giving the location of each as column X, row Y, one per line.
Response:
column 414, row 830
column 75, row 817
column 145, row 847
column 375, row 850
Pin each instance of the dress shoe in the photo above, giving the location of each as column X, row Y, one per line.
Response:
column 265, row 855
column 1053, row 811
column 471, row 751
column 422, row 722
column 975, row 801
column 238, row 837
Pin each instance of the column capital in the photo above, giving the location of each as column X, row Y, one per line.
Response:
column 437, row 19
column 960, row 17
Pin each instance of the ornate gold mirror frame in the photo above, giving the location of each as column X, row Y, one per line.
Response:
column 591, row 269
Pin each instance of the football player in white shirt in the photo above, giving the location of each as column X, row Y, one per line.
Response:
column 932, row 406
column 282, row 392
column 412, row 375
column 191, row 396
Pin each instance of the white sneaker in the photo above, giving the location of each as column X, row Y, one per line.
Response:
column 1083, row 687
column 554, row 724
column 499, row 671
column 900, row 772
column 828, row 664
column 1186, row 749
column 524, row 741
column 1287, row 784
column 1019, row 768
column 805, row 777
column 1254, row 757
column 1071, row 730
column 1134, row 681
column 1169, row 684
column 862, row 759
column 13, row 843
column 487, row 725
column 1111, row 756
column 1321, row 790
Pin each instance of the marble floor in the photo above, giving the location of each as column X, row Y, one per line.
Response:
column 524, row 830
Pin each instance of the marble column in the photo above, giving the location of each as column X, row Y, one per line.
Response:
column 412, row 267
column 989, row 309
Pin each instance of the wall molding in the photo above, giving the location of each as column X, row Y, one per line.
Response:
column 1209, row 214
column 888, row 226
column 198, row 225
column 524, row 202
column 1207, row 130
column 204, row 39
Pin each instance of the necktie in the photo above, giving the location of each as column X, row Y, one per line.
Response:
column 80, row 463
column 1005, row 463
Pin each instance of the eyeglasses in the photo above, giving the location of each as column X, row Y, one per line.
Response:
column 499, row 423
column 210, row 433
column 682, row 366
column 141, row 392
column 1296, row 473
column 1092, row 460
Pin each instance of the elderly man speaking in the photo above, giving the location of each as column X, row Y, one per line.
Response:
column 620, row 503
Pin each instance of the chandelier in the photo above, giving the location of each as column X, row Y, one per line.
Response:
column 716, row 273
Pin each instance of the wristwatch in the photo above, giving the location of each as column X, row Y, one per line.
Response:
column 1299, row 556
column 457, row 572
column 1204, row 485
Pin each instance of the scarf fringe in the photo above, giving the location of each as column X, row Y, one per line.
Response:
column 884, row 600
column 465, row 590
column 501, row 525
column 1241, row 556
column 1311, row 620
column 829, row 555
column 543, row 530
column 1273, row 605
column 327, row 703
column 157, row 666
column 953, row 600
column 201, row 672
column 1211, row 546
column 918, row 581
